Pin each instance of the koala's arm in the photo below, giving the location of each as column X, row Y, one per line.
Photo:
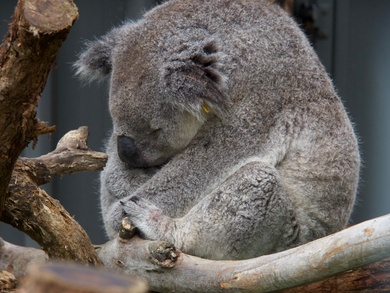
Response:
column 249, row 204
column 117, row 182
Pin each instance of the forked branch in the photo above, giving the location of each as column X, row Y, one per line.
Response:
column 31, row 210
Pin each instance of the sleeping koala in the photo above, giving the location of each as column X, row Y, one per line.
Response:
column 228, row 139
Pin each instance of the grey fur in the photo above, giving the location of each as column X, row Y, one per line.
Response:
column 233, row 140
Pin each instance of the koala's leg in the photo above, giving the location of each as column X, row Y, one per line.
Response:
column 245, row 216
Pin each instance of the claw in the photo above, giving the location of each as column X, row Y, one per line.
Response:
column 127, row 231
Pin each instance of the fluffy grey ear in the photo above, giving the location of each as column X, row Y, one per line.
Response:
column 95, row 62
column 194, row 80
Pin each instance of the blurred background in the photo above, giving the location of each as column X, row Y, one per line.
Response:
column 352, row 38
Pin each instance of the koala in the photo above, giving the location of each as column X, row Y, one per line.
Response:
column 229, row 139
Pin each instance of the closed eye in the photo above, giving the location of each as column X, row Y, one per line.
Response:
column 155, row 131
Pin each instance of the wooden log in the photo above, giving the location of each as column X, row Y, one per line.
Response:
column 65, row 278
column 27, row 54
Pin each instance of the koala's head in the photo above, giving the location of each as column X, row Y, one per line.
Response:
column 164, row 85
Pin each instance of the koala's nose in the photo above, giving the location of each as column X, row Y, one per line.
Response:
column 127, row 149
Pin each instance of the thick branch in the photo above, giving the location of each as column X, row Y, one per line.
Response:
column 16, row 259
column 31, row 210
column 66, row 278
column 28, row 51
column 373, row 278
column 168, row 270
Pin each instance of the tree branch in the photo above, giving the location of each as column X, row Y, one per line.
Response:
column 70, row 156
column 31, row 210
column 65, row 278
column 373, row 278
column 16, row 259
column 167, row 269
column 27, row 54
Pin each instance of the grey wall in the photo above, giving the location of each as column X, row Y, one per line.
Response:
column 356, row 53
column 362, row 75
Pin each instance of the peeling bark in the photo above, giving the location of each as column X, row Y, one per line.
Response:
column 27, row 54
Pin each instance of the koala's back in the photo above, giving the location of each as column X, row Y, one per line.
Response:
column 259, row 40
column 283, row 107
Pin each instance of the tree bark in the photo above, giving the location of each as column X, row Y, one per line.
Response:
column 27, row 54
column 65, row 278
column 16, row 259
column 31, row 210
column 8, row 282
column 167, row 269
column 373, row 278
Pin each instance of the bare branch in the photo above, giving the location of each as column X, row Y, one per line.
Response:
column 351, row 248
column 16, row 259
column 31, row 210
column 167, row 269
column 62, row 278
column 70, row 156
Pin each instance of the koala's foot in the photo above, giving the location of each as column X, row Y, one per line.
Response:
column 148, row 218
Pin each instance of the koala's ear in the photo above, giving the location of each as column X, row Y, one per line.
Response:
column 194, row 79
column 95, row 63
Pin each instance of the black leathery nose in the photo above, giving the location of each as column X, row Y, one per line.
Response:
column 127, row 150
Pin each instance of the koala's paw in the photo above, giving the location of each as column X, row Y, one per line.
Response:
column 113, row 219
column 145, row 216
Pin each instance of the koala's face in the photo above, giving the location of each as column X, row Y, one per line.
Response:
column 149, row 127
column 162, row 89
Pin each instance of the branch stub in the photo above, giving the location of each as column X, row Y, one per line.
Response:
column 49, row 16
column 163, row 253
column 127, row 231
